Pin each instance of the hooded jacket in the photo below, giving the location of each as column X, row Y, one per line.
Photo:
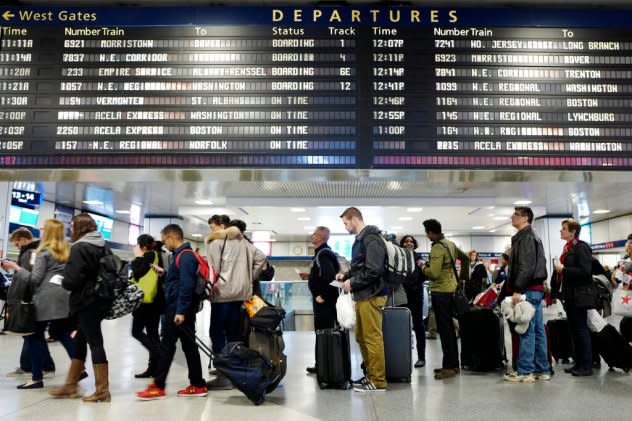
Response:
column 527, row 264
column 51, row 300
column 82, row 269
column 367, row 264
column 239, row 264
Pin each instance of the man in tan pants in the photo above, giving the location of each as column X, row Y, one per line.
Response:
column 364, row 280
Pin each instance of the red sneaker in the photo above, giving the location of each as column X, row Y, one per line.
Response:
column 152, row 392
column 192, row 391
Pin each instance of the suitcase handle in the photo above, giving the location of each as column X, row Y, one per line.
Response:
column 199, row 342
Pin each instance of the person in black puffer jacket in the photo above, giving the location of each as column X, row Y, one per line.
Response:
column 80, row 277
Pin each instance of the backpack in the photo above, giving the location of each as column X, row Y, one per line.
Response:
column 267, row 274
column 113, row 276
column 203, row 280
column 342, row 262
column 399, row 264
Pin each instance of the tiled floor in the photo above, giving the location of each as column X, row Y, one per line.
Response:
column 605, row 396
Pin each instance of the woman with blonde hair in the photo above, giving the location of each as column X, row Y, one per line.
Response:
column 50, row 299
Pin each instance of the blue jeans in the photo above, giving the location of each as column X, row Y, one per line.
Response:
column 533, row 350
column 224, row 324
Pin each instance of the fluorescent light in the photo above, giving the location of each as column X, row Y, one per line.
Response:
column 304, row 218
column 492, row 230
column 499, row 218
column 196, row 235
column 394, row 185
column 309, row 227
column 449, row 234
column 396, row 228
column 601, row 211
column 203, row 202
column 123, row 211
column 478, row 227
column 405, row 218
column 415, row 210
column 93, row 202
column 490, row 207
column 297, row 209
column 523, row 202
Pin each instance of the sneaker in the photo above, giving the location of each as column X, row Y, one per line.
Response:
column 518, row 378
column 542, row 376
column 17, row 372
column 360, row 381
column 152, row 392
column 193, row 391
column 368, row 387
column 420, row 363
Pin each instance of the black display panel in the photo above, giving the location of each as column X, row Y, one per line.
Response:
column 315, row 88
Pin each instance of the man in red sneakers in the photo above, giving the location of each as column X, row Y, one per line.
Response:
column 180, row 317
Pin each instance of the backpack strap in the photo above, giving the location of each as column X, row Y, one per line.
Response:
column 456, row 275
column 329, row 252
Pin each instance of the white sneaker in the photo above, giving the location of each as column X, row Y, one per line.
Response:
column 517, row 378
column 542, row 376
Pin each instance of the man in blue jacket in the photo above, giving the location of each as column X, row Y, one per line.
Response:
column 180, row 313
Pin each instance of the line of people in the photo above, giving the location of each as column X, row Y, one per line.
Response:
column 63, row 278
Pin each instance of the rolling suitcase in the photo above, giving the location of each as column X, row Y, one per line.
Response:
column 625, row 327
column 397, row 332
column 482, row 340
column 560, row 340
column 614, row 348
column 333, row 358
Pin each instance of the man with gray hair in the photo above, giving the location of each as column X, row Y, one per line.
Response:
column 323, row 270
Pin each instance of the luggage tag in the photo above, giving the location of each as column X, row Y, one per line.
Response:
column 56, row 279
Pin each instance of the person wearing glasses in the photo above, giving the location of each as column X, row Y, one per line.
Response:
column 527, row 273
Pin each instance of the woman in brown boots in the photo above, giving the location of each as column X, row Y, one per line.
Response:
column 80, row 276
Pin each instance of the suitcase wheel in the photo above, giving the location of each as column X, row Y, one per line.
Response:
column 322, row 385
column 626, row 370
column 407, row 380
column 346, row 385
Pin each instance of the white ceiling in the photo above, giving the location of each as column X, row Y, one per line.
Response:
column 264, row 199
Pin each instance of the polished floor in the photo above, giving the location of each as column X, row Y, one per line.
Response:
column 605, row 396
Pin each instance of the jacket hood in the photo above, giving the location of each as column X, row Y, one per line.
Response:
column 369, row 229
column 30, row 246
column 94, row 237
column 232, row 233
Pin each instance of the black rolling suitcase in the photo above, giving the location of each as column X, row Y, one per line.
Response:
column 614, row 348
column 560, row 340
column 625, row 327
column 482, row 340
column 333, row 358
column 397, row 332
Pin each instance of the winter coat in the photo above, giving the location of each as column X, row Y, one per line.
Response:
column 440, row 270
column 322, row 272
column 527, row 264
column 238, row 265
column 367, row 265
column 50, row 299
column 82, row 269
column 24, row 258
column 180, row 282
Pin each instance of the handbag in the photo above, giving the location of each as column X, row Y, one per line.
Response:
column 487, row 298
column 149, row 283
column 345, row 311
column 126, row 302
column 622, row 302
column 461, row 304
column 20, row 319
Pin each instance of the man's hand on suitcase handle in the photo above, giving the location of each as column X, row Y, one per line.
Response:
column 179, row 319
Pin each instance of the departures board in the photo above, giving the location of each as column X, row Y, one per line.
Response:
column 316, row 87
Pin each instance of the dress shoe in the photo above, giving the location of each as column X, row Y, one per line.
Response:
column 581, row 373
column 311, row 370
column 34, row 385
column 144, row 375
column 569, row 370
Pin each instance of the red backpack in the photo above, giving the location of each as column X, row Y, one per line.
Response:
column 203, row 280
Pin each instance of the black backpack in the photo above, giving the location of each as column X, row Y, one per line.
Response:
column 113, row 276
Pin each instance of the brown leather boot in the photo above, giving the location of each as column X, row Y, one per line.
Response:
column 102, row 392
column 69, row 389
